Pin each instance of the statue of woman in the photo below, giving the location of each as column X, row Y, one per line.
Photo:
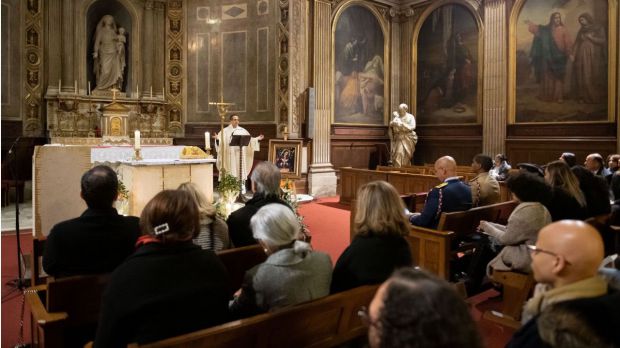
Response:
column 108, row 67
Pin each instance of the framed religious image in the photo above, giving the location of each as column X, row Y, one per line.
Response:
column 447, row 50
column 286, row 155
column 360, row 66
column 563, row 59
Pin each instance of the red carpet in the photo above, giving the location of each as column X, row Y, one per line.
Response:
column 328, row 222
column 11, row 298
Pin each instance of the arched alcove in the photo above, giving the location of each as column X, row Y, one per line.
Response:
column 123, row 19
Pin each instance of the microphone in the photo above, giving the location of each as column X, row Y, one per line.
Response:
column 14, row 143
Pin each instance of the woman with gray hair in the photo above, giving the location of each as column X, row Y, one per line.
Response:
column 293, row 272
column 266, row 186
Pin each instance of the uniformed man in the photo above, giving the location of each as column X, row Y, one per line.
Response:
column 484, row 187
column 450, row 195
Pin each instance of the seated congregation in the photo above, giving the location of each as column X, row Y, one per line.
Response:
column 171, row 275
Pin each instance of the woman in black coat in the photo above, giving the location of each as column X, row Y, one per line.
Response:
column 169, row 286
column 379, row 246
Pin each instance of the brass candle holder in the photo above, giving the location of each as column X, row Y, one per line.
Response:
column 137, row 156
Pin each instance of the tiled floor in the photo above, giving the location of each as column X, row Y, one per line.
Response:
column 7, row 222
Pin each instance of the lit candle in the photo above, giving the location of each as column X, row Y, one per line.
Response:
column 75, row 86
column 136, row 144
column 137, row 91
column 207, row 141
column 59, row 86
column 88, row 87
column 151, row 91
column 163, row 92
column 285, row 129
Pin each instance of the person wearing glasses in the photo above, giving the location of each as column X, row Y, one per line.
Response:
column 414, row 308
column 565, row 262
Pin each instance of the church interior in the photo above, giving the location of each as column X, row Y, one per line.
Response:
column 321, row 83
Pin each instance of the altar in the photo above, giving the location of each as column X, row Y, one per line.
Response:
column 57, row 171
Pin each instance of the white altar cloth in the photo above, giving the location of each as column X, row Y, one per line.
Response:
column 125, row 153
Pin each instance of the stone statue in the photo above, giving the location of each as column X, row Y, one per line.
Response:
column 109, row 54
column 402, row 136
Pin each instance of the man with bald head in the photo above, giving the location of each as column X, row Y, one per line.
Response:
column 451, row 195
column 565, row 261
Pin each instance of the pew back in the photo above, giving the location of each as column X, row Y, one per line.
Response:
column 325, row 322
column 238, row 260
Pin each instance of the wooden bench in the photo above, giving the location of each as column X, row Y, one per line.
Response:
column 65, row 311
column 238, row 260
column 325, row 322
column 517, row 289
column 433, row 249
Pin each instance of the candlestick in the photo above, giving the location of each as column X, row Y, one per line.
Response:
column 59, row 85
column 207, row 141
column 285, row 129
column 151, row 91
column 88, row 87
column 75, row 86
column 137, row 91
column 137, row 144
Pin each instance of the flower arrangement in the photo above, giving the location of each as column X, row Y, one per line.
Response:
column 123, row 193
column 228, row 187
column 289, row 195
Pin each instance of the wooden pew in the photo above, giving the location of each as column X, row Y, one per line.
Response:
column 433, row 249
column 239, row 260
column 65, row 311
column 517, row 289
column 325, row 322
column 37, row 274
column 351, row 179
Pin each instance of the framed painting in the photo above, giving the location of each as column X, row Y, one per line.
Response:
column 447, row 52
column 561, row 56
column 286, row 155
column 360, row 84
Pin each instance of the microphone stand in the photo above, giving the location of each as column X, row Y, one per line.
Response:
column 20, row 282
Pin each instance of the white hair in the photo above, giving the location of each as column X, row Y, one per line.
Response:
column 267, row 177
column 276, row 225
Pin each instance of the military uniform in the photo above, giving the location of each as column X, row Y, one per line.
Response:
column 451, row 195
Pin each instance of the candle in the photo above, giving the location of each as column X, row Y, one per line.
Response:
column 75, row 86
column 163, row 92
column 137, row 91
column 88, row 87
column 207, row 141
column 59, row 86
column 136, row 144
column 285, row 129
column 151, row 91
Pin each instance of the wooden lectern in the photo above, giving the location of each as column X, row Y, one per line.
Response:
column 241, row 141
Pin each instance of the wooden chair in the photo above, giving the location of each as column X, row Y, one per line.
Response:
column 37, row 274
column 239, row 260
column 517, row 289
column 325, row 322
column 65, row 311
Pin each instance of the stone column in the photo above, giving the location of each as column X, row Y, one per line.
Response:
column 405, row 73
column 298, row 65
column 321, row 175
column 54, row 40
column 158, row 38
column 494, row 108
column 67, row 45
column 147, row 49
column 396, row 59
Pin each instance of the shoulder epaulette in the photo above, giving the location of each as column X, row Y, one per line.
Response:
column 441, row 185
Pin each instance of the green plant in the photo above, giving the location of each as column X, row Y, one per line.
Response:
column 123, row 193
column 228, row 183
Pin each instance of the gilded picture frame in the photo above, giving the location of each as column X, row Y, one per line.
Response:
column 477, row 53
column 548, row 104
column 286, row 155
column 354, row 31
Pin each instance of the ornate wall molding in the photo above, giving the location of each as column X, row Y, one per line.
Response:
column 175, row 65
column 283, row 66
column 33, row 125
column 298, row 72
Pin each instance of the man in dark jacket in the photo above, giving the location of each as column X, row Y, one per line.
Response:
column 451, row 195
column 97, row 241
column 266, row 186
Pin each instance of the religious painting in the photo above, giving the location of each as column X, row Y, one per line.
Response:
column 286, row 155
column 446, row 66
column 560, row 58
column 359, row 73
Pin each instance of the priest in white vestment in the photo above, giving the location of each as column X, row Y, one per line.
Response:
column 228, row 156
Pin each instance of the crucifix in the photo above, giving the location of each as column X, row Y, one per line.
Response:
column 222, row 110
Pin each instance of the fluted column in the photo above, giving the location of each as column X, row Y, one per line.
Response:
column 53, row 41
column 147, row 49
column 406, row 32
column 321, row 174
column 159, row 39
column 396, row 61
column 494, row 118
column 67, row 44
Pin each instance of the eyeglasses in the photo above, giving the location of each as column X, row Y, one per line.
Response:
column 365, row 317
column 535, row 250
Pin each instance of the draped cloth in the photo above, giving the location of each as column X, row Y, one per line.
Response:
column 403, row 139
column 231, row 153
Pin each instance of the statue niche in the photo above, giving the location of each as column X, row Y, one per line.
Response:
column 109, row 59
